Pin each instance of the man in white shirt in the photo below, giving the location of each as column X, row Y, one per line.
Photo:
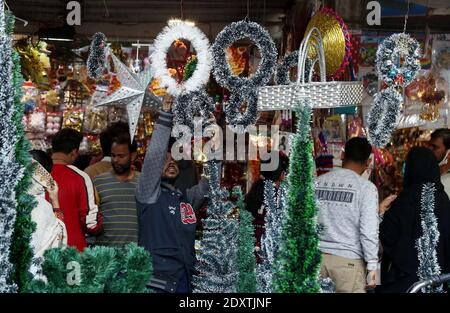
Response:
column 440, row 145
column 348, row 212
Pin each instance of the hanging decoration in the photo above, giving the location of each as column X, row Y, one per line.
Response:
column 97, row 56
column 199, row 42
column 394, row 50
column 426, row 245
column 384, row 116
column 131, row 93
column 290, row 61
column 188, row 106
column 275, row 206
column 323, row 94
column 298, row 262
column 243, row 89
column 336, row 41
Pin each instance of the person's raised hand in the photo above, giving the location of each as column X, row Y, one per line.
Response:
column 386, row 204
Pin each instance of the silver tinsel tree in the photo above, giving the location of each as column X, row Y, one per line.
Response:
column 427, row 243
column 217, row 268
column 275, row 205
column 10, row 169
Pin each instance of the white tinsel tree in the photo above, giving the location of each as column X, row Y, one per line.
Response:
column 10, row 169
column 275, row 205
column 217, row 268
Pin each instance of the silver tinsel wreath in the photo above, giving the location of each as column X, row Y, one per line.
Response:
column 243, row 88
column 384, row 116
column 388, row 57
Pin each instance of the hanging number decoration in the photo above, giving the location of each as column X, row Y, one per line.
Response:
column 243, row 89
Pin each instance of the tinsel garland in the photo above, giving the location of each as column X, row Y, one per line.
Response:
column 102, row 269
column 298, row 263
column 288, row 62
column 21, row 251
column 188, row 106
column 389, row 54
column 216, row 267
column 97, row 56
column 383, row 116
column 10, row 169
column 246, row 259
column 275, row 205
column 243, row 89
column 327, row 285
column 199, row 42
column 426, row 245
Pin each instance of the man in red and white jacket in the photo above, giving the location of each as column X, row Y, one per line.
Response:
column 76, row 192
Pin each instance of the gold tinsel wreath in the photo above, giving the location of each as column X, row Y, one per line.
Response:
column 335, row 40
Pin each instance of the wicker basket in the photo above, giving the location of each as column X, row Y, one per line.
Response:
column 322, row 94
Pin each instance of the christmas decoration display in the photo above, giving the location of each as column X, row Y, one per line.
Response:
column 36, row 121
column 10, row 169
column 34, row 63
column 384, row 116
column 97, row 56
column 95, row 120
column 73, row 118
column 102, row 270
column 427, row 243
column 237, row 59
column 243, row 89
column 288, row 62
column 200, row 43
column 245, row 256
column 390, row 52
column 336, row 41
column 275, row 205
column 216, row 267
column 53, row 123
column 297, row 266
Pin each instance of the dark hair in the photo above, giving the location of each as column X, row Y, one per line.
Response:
column 43, row 158
column 283, row 164
column 443, row 133
column 124, row 139
column 82, row 161
column 357, row 150
column 66, row 140
column 114, row 130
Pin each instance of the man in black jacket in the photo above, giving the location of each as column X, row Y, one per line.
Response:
column 166, row 216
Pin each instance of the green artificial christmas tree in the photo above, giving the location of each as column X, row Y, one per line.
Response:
column 96, row 270
column 299, row 259
column 246, row 259
column 21, row 252
column 217, row 268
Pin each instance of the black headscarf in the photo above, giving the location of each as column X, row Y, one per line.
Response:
column 421, row 167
